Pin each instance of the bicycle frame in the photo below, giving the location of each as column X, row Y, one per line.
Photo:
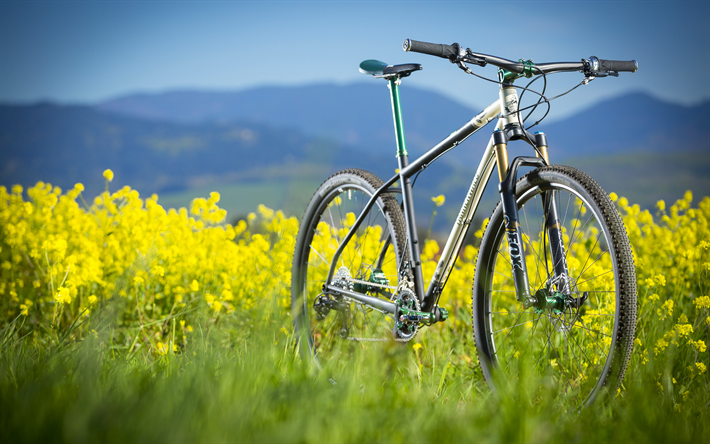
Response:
column 505, row 108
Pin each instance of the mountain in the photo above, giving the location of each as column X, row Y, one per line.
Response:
column 274, row 145
column 359, row 114
column 632, row 123
column 68, row 144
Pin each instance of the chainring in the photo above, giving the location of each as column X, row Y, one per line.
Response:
column 405, row 297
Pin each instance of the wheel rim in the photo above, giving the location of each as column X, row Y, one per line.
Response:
column 351, row 326
column 570, row 349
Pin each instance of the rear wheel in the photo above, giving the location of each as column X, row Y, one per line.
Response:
column 581, row 342
column 332, row 327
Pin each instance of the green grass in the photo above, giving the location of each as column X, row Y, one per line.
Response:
column 243, row 380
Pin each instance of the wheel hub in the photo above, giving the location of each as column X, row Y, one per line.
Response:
column 564, row 310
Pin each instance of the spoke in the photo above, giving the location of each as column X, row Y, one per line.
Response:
column 564, row 220
column 504, row 275
column 532, row 333
column 547, row 343
column 544, row 231
column 591, row 279
column 321, row 257
column 590, row 255
column 579, row 235
column 590, row 265
column 333, row 226
column 508, row 328
column 512, row 312
column 585, row 328
column 580, row 349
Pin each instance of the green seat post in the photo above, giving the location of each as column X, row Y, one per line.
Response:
column 397, row 114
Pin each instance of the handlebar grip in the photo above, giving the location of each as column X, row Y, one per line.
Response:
column 444, row 51
column 618, row 65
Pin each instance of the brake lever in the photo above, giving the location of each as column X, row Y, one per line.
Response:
column 602, row 74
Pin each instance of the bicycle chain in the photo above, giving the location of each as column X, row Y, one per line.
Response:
column 372, row 284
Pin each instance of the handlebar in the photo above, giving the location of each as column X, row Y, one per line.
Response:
column 455, row 53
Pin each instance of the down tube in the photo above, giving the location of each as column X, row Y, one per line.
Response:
column 458, row 232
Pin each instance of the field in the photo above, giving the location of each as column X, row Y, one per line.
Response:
column 122, row 321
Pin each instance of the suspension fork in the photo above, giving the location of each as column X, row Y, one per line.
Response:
column 513, row 235
column 553, row 228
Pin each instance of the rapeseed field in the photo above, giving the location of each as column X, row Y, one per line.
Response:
column 122, row 320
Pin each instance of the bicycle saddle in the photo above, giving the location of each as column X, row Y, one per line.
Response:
column 381, row 69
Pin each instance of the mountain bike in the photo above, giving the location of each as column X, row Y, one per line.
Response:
column 554, row 290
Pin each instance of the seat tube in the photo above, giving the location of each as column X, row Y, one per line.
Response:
column 403, row 161
column 511, row 225
column 553, row 225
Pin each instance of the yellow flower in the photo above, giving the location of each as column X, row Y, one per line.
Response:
column 194, row 286
column 661, row 345
column 108, row 174
column 613, row 196
column 660, row 280
column 666, row 309
column 63, row 296
column 416, row 346
column 702, row 302
column 438, row 200
column 661, row 205
column 700, row 345
column 92, row 299
column 701, row 367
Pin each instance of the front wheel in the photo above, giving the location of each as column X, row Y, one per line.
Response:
column 581, row 342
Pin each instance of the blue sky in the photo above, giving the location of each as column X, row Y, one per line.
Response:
column 85, row 52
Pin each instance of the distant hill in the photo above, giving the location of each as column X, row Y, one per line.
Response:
column 68, row 144
column 360, row 114
column 276, row 144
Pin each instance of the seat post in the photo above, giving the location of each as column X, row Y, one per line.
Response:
column 393, row 86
